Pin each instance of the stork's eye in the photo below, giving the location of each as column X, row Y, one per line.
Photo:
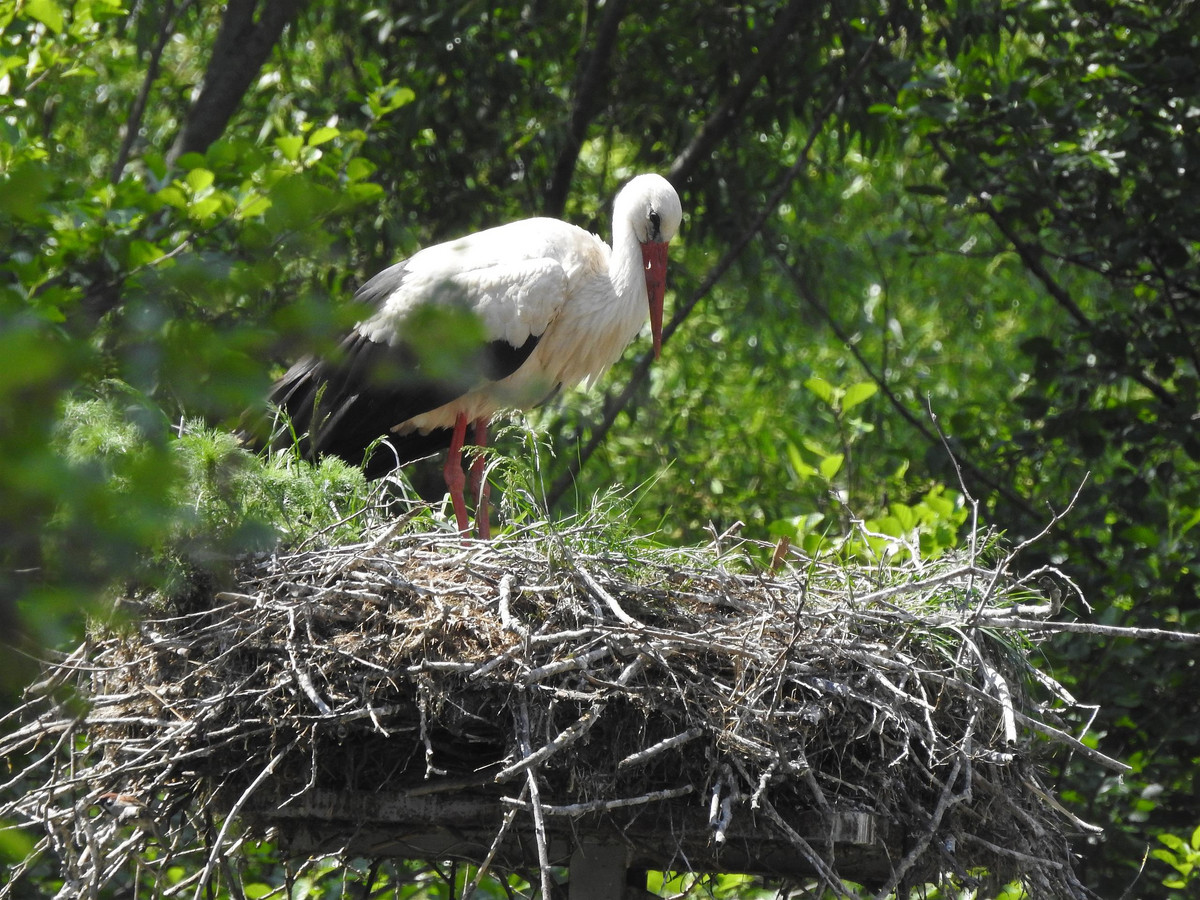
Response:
column 654, row 219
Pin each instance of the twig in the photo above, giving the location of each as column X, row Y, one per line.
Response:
column 564, row 739
column 996, row 683
column 923, row 584
column 1121, row 631
column 506, row 618
column 607, row 598
column 505, row 824
column 302, row 677
column 830, row 877
column 575, row 810
column 720, row 809
column 535, row 801
column 946, row 799
column 1053, row 802
column 572, row 664
column 1055, row 517
column 215, row 853
column 642, row 756
column 1041, row 727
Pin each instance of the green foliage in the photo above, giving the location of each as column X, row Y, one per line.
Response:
column 1181, row 855
column 15, row 845
column 164, row 280
column 685, row 884
column 930, row 523
column 1065, row 127
column 201, row 499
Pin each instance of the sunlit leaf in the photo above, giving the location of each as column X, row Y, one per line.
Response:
column 205, row 209
column 322, row 135
column 830, row 466
column 199, row 180
column 858, row 393
column 290, row 146
column 143, row 253
column 821, row 388
column 801, row 468
column 359, row 168
column 172, row 195
column 15, row 844
column 48, row 12
column 253, row 206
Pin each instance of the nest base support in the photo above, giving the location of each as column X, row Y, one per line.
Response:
column 597, row 871
column 463, row 825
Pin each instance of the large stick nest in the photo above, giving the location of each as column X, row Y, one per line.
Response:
column 878, row 722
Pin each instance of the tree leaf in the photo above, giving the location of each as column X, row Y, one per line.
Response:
column 821, row 388
column 47, row 12
column 858, row 393
column 359, row 168
column 253, row 206
column 142, row 253
column 830, row 465
column 1174, row 841
column 204, row 209
column 802, row 469
column 322, row 135
column 172, row 195
column 199, row 180
column 289, row 145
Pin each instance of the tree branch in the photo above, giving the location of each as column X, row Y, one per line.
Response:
column 587, row 94
column 242, row 46
column 170, row 15
column 810, row 298
column 727, row 116
column 642, row 370
column 1032, row 259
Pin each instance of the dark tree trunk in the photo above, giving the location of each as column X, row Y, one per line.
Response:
column 242, row 46
column 589, row 89
column 728, row 117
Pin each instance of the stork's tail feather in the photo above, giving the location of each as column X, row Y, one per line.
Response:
column 345, row 404
column 342, row 407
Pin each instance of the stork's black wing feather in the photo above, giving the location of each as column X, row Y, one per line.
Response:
column 344, row 404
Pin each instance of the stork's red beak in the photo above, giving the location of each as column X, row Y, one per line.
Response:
column 654, row 255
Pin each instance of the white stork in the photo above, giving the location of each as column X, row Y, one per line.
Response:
column 548, row 306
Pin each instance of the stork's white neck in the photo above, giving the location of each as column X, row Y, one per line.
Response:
column 626, row 268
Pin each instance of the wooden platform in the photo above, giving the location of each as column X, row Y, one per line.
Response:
column 669, row 835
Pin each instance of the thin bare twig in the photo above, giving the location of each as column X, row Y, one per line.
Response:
column 535, row 802
column 218, row 845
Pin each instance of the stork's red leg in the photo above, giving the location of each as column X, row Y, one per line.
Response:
column 480, row 489
column 453, row 471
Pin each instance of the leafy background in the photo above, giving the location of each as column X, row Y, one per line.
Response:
column 933, row 253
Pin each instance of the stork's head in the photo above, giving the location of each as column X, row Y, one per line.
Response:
column 651, row 208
